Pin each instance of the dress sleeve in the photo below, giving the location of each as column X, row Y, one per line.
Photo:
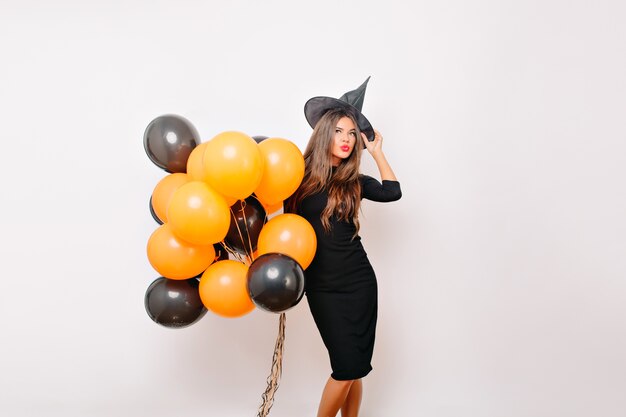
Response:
column 375, row 191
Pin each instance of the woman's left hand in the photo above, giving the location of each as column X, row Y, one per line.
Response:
column 376, row 145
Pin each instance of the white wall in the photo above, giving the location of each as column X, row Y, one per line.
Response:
column 501, row 271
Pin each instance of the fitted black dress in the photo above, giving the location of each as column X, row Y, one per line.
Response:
column 341, row 285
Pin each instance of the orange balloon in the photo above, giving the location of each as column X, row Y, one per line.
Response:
column 230, row 200
column 283, row 170
column 195, row 169
column 163, row 192
column 198, row 214
column 176, row 259
column 195, row 163
column 290, row 235
column 272, row 208
column 233, row 164
column 223, row 289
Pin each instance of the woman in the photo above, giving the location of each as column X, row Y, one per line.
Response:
column 340, row 282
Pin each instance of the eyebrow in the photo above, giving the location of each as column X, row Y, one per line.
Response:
column 341, row 128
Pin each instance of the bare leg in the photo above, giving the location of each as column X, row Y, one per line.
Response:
column 350, row 407
column 333, row 397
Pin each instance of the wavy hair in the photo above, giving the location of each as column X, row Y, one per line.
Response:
column 341, row 182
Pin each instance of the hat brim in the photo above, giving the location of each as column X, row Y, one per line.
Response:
column 315, row 108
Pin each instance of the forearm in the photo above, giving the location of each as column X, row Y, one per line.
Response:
column 386, row 173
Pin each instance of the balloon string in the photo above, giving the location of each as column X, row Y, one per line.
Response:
column 248, row 256
column 264, row 221
column 277, row 366
column 232, row 251
column 245, row 221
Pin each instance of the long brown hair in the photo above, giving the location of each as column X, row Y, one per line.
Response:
column 342, row 182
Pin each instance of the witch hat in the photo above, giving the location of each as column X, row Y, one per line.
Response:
column 352, row 101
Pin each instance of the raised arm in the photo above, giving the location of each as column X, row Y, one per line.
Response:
column 389, row 190
column 375, row 148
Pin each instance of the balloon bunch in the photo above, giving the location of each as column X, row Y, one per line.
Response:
column 215, row 248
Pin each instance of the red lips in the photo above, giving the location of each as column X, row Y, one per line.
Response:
column 345, row 148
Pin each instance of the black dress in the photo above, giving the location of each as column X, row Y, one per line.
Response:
column 341, row 285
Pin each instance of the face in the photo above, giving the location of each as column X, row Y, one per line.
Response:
column 344, row 140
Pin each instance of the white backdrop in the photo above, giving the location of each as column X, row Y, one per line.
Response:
column 501, row 271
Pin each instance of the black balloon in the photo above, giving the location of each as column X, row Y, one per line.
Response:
column 275, row 282
column 152, row 212
column 259, row 139
column 247, row 218
column 168, row 141
column 174, row 303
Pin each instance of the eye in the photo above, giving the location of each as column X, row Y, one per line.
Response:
column 337, row 130
column 353, row 134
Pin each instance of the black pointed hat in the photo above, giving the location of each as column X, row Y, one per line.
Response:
column 352, row 101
